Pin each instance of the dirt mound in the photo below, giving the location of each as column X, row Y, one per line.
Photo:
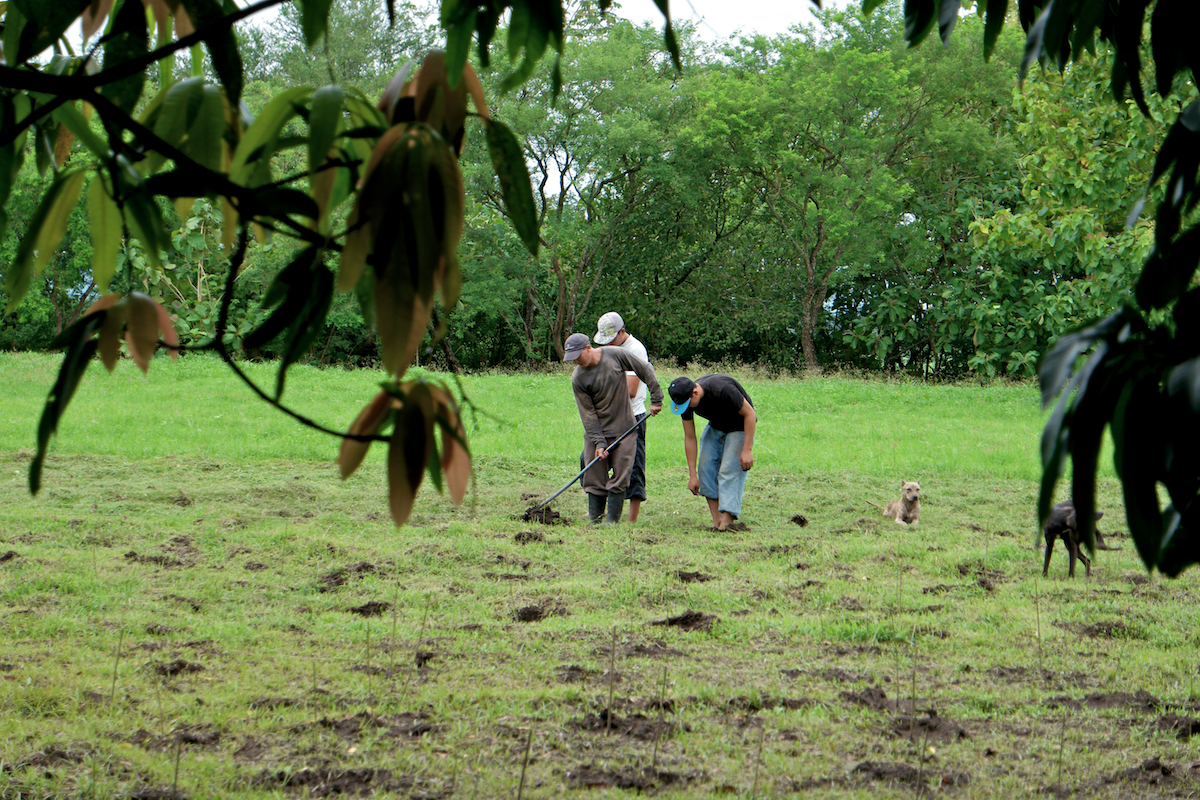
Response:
column 1186, row 726
column 323, row 782
column 932, row 728
column 873, row 697
column 546, row 516
column 890, row 772
column 645, row 779
column 573, row 673
column 635, row 726
column 800, row 520
column 166, row 562
column 395, row 726
column 694, row 577
column 1112, row 630
column 9, row 556
column 528, row 537
column 690, row 621
column 374, row 608
column 1151, row 772
column 747, row 705
column 339, row 577
column 176, row 667
column 537, row 613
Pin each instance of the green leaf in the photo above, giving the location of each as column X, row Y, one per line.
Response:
column 263, row 132
column 126, row 40
column 314, row 19
column 918, row 20
column 508, row 160
column 669, row 39
column 41, row 238
column 305, row 328
column 104, row 221
column 221, row 43
column 292, row 291
column 1033, row 41
column 323, row 124
column 206, row 133
column 947, row 16
column 458, row 42
column 993, row 24
column 80, row 349
column 172, row 120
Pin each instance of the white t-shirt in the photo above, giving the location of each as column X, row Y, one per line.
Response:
column 638, row 349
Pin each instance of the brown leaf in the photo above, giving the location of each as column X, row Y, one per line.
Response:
column 110, row 332
column 320, row 186
column 162, row 16
column 366, row 423
column 401, row 317
column 354, row 253
column 167, row 329
column 141, row 329
column 394, row 91
column 183, row 23
column 475, row 88
column 97, row 11
column 456, row 460
column 62, row 145
column 408, row 454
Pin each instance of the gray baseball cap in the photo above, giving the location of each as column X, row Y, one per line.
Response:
column 575, row 345
column 608, row 327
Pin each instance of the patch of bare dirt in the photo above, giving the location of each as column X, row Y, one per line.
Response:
column 832, row 674
column 573, row 673
column 195, row 604
column 51, row 756
column 272, row 702
column 941, row 588
column 158, row 629
column 539, row 612
column 642, row 779
column 694, row 577
column 872, row 697
column 800, row 520
column 985, row 577
column 850, row 604
column 635, row 726
column 375, row 608
column 396, row 726
column 932, row 728
column 176, row 667
column 254, row 566
column 1187, row 727
column 689, row 621
column 1115, row 629
column 652, row 650
column 166, row 562
column 9, row 556
column 752, row 705
column 529, row 537
column 1151, row 773
column 340, row 577
column 251, row 750
column 889, row 772
column 324, row 782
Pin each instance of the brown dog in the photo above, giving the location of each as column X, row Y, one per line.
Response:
column 907, row 509
column 1062, row 524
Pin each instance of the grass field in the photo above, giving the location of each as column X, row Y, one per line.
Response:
column 197, row 606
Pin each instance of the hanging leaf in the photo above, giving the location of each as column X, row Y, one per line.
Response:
column 456, row 459
column 110, row 332
column 408, row 453
column 141, row 329
column 80, row 349
column 508, row 161
column 323, row 123
column 41, row 238
column 367, row 423
column 314, row 19
column 221, row 43
column 126, row 40
column 104, row 222
column 257, row 141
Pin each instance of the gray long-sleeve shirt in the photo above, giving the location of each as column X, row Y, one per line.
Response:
column 602, row 394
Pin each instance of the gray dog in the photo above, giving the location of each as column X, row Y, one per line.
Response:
column 1062, row 524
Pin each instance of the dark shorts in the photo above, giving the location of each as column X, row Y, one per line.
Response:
column 637, row 478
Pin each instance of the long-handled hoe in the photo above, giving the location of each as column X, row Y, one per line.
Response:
column 542, row 513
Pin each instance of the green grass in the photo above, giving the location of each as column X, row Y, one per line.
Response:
column 186, row 522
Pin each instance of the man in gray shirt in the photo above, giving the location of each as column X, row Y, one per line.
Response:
column 602, row 395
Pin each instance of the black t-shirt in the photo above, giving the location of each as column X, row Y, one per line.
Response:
column 721, row 404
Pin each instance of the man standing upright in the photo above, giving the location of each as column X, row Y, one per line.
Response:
column 726, row 451
column 602, row 396
column 610, row 330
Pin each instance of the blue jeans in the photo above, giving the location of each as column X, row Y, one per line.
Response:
column 719, row 467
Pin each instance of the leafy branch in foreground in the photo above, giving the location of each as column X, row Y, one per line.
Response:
column 394, row 164
column 1136, row 372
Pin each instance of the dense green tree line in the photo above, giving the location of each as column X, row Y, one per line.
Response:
column 827, row 197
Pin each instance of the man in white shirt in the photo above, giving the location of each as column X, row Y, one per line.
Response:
column 610, row 330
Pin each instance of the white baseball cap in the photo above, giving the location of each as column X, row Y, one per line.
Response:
column 608, row 327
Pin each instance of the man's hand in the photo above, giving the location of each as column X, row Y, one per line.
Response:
column 747, row 459
column 601, row 452
column 654, row 410
column 694, row 485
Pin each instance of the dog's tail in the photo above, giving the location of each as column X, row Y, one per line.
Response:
column 1100, row 544
column 881, row 508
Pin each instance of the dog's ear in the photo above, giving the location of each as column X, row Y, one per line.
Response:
column 1099, row 514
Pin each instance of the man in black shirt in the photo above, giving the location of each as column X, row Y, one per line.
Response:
column 726, row 448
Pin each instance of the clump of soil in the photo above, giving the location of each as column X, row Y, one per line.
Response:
column 374, row 608
column 528, row 537
column 573, row 673
column 891, row 772
column 800, row 520
column 176, row 667
column 537, row 613
column 254, row 566
column 988, row 577
column 1112, row 630
column 53, row 754
column 694, row 577
column 544, row 515
column 850, row 604
column 324, row 782
column 1186, row 726
column 645, row 779
column 272, row 702
column 396, row 726
column 652, row 650
column 340, row 577
column 871, row 697
column 932, row 728
column 166, row 562
column 156, row 629
column 195, row 604
column 690, row 621
column 1152, row 772
column 941, row 588
column 635, row 726
column 749, row 705
column 9, row 556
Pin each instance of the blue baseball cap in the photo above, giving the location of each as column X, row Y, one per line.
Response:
column 680, row 391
